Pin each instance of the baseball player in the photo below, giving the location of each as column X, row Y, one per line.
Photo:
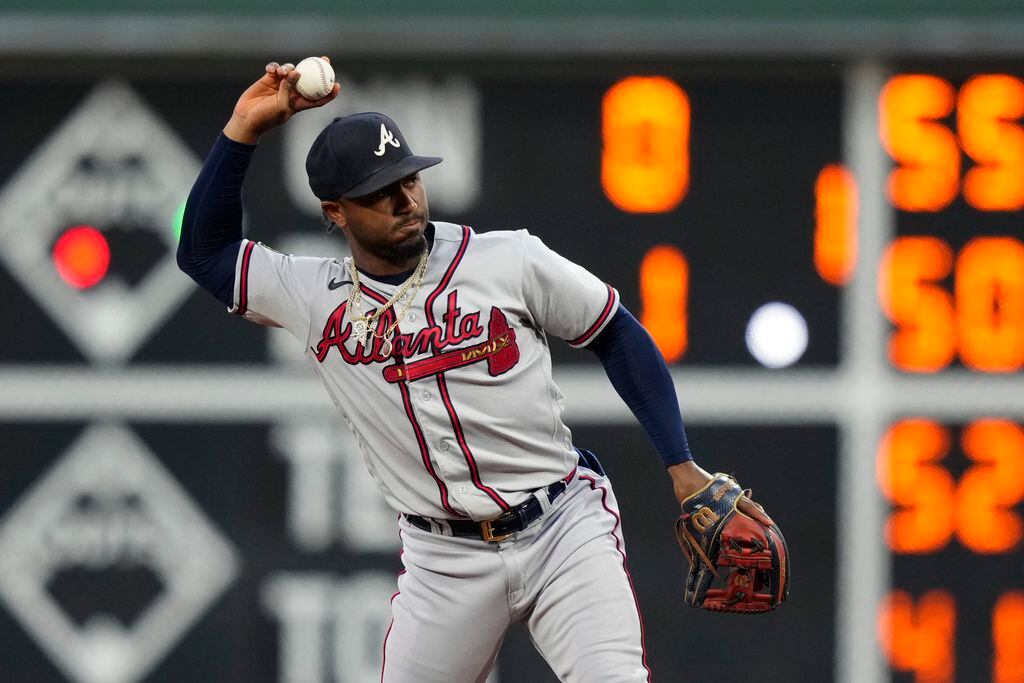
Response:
column 432, row 341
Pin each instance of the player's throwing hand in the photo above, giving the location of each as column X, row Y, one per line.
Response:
column 269, row 102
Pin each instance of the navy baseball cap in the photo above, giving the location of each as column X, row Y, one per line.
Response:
column 359, row 154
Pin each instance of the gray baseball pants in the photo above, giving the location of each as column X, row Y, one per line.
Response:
column 564, row 577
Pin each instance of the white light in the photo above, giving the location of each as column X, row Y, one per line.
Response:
column 776, row 335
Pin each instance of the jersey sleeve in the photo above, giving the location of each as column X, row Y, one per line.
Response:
column 274, row 289
column 565, row 299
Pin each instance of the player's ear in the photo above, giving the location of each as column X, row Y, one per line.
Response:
column 334, row 212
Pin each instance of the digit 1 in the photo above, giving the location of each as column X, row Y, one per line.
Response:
column 645, row 128
column 919, row 638
column 1008, row 638
column 835, row 224
column 664, row 293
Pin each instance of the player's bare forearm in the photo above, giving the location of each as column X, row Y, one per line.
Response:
column 269, row 102
column 687, row 478
column 240, row 130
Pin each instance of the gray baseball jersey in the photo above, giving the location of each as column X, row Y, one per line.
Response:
column 463, row 418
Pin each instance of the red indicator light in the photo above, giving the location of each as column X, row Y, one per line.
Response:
column 81, row 256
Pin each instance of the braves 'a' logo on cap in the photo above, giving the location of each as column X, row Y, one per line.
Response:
column 386, row 138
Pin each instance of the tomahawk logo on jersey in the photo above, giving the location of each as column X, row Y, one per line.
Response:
column 473, row 339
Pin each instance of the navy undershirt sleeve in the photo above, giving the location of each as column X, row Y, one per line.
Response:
column 638, row 372
column 211, row 229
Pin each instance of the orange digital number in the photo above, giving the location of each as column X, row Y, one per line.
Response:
column 986, row 522
column 835, row 224
column 989, row 113
column 925, row 338
column 910, row 476
column 645, row 163
column 984, row 322
column 919, row 637
column 932, row 506
column 664, row 291
column 1008, row 638
column 990, row 303
column 928, row 175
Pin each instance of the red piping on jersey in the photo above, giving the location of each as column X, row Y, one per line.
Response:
column 407, row 403
column 243, row 287
column 461, row 438
column 429, row 306
column 424, row 452
column 618, row 546
column 442, row 386
column 585, row 337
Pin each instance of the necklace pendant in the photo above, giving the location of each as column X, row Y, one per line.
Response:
column 359, row 331
column 386, row 347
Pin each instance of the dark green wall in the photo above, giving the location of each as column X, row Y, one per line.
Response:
column 542, row 9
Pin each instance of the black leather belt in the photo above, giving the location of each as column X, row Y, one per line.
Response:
column 502, row 526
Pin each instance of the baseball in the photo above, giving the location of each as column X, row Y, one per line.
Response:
column 316, row 78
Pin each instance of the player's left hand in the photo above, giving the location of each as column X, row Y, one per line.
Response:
column 688, row 478
column 724, row 534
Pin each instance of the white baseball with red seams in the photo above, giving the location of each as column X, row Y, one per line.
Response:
column 316, row 78
column 463, row 421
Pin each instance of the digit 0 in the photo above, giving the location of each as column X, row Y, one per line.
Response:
column 664, row 292
column 990, row 304
column 645, row 127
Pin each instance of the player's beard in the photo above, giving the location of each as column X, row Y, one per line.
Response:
column 410, row 249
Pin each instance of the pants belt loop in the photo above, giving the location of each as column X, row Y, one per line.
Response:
column 440, row 526
column 542, row 497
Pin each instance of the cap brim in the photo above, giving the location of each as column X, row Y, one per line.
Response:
column 390, row 174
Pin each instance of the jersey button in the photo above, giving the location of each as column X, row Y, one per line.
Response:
column 425, row 395
column 412, row 317
column 443, row 445
column 463, row 489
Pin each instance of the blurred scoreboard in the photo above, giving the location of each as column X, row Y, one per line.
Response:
column 957, row 608
column 724, row 200
column 952, row 286
column 694, row 194
column 953, row 278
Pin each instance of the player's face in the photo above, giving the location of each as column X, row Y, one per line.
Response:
column 387, row 225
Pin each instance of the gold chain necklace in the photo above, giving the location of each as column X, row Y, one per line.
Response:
column 362, row 325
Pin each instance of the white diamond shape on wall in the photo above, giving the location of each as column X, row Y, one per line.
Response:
column 112, row 161
column 108, row 505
